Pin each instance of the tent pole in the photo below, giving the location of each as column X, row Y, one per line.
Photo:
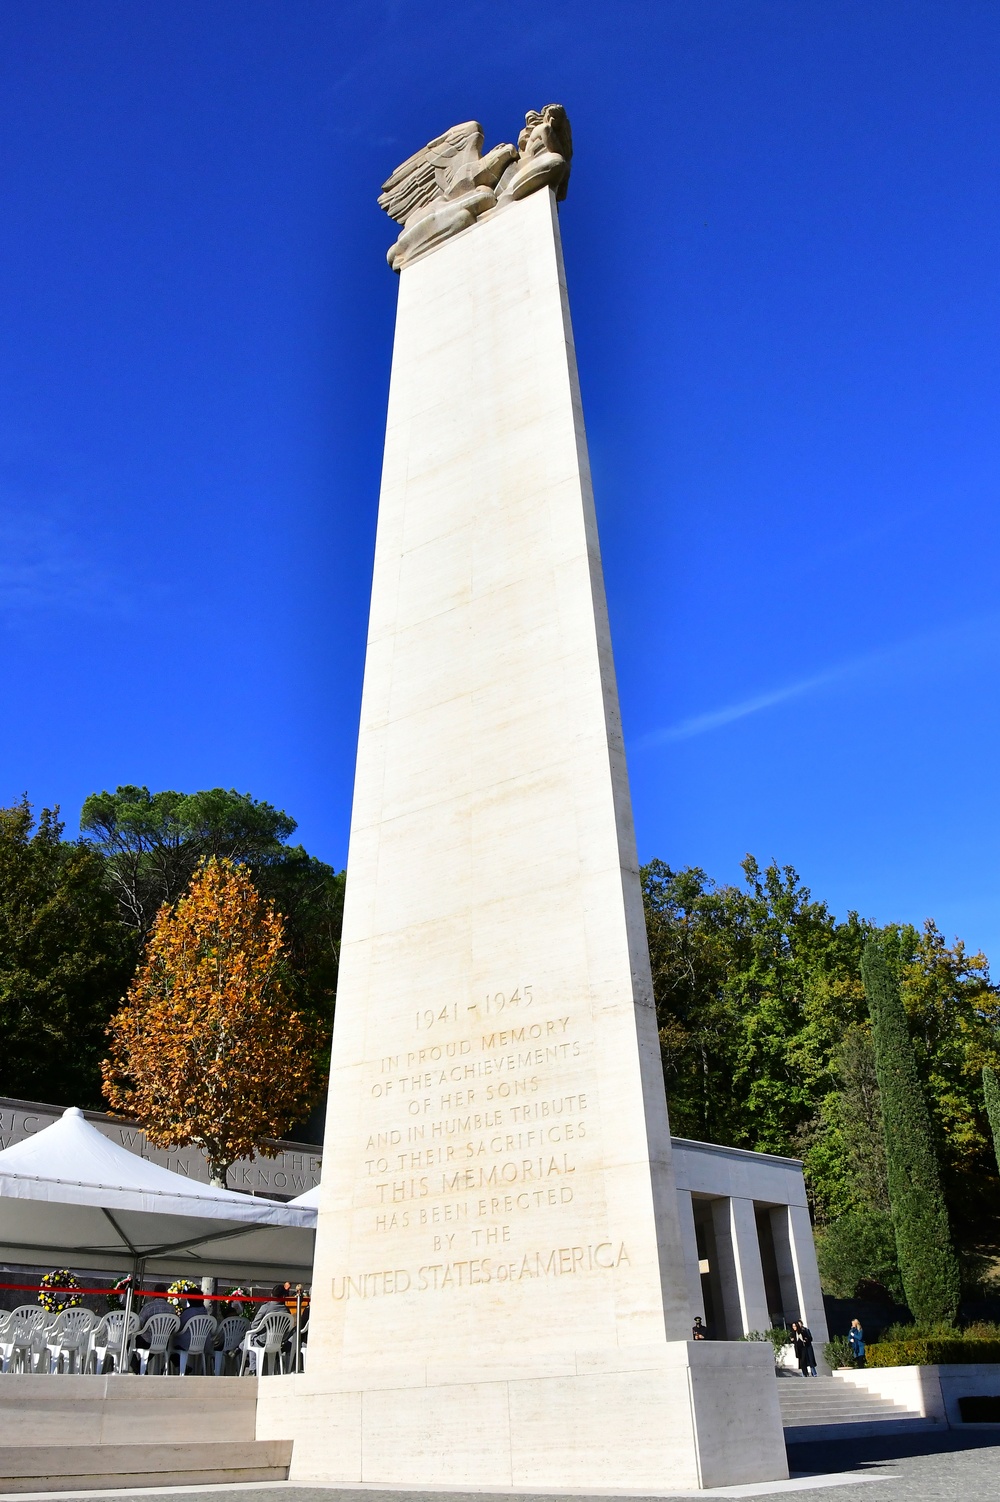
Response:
column 298, row 1324
column 138, row 1268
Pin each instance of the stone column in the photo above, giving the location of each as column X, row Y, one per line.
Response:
column 785, row 1262
column 796, row 1252
column 689, row 1243
column 740, row 1271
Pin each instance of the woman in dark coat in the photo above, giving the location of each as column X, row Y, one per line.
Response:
column 804, row 1353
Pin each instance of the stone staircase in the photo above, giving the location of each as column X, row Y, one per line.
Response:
column 823, row 1408
column 63, row 1433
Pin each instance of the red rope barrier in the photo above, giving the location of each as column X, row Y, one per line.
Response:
column 151, row 1293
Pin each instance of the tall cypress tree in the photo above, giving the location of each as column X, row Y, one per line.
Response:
column 991, row 1092
column 927, row 1260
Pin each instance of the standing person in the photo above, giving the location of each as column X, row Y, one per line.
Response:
column 698, row 1331
column 804, row 1353
column 856, row 1336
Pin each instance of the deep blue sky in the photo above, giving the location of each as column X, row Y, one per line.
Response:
column 782, row 242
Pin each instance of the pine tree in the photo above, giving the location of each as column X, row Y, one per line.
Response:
column 927, row 1260
column 991, row 1091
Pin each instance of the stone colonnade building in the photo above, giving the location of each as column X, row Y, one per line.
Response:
column 749, row 1254
column 749, row 1257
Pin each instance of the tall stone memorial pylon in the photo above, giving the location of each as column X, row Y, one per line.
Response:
column 499, row 1297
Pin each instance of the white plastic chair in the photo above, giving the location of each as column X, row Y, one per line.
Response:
column 274, row 1328
column 39, row 1341
column 69, row 1338
column 19, row 1342
column 16, row 1343
column 157, row 1330
column 230, row 1337
column 111, row 1339
column 196, row 1332
column 32, row 1314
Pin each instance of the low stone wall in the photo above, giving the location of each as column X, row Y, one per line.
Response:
column 97, row 1432
column 124, row 1409
column 935, row 1392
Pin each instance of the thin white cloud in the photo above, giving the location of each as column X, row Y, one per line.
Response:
column 716, row 718
column 976, row 634
column 45, row 567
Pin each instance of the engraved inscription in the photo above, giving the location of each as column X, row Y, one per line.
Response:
column 555, row 1262
column 470, row 1127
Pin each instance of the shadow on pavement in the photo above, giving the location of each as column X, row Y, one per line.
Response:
column 826, row 1457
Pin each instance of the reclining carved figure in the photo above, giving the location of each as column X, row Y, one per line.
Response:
column 443, row 188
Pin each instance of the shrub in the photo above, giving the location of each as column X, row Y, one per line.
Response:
column 934, row 1352
column 838, row 1352
column 930, row 1329
column 777, row 1335
column 982, row 1329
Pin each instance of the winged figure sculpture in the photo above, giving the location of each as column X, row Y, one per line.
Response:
column 443, row 188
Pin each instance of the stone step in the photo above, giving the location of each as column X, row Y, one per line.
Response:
column 821, row 1408
column 838, row 1393
column 807, row 1434
column 834, row 1405
column 858, row 1411
column 43, row 1468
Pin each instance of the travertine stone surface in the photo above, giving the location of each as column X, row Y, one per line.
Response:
column 503, row 1155
column 499, row 1295
column 796, row 1251
column 674, row 1417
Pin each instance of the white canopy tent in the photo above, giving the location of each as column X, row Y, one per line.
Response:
column 309, row 1200
column 71, row 1194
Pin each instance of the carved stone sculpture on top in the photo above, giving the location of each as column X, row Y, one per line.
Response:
column 443, row 188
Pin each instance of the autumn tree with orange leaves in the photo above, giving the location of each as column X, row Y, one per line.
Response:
column 208, row 1048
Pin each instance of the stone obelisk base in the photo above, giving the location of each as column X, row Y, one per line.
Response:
column 679, row 1416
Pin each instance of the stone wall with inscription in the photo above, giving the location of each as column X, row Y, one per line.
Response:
column 294, row 1169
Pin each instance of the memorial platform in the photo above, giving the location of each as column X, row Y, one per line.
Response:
column 110, row 1432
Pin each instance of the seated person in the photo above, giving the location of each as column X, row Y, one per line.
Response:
column 276, row 1305
column 192, row 1306
column 159, row 1305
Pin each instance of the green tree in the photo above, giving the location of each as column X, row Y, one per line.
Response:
column 754, row 989
column 766, row 1040
column 927, row 1262
column 153, row 843
column 856, row 1251
column 843, row 1147
column 65, row 961
column 953, row 1012
column 991, row 1095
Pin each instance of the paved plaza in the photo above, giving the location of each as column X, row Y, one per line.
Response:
column 915, row 1468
